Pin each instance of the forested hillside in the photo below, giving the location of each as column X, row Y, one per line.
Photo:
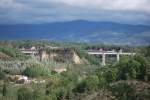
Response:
column 127, row 79
column 79, row 31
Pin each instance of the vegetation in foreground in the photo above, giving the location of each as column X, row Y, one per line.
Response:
column 127, row 79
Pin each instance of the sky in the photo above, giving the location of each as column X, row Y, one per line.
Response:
column 46, row 11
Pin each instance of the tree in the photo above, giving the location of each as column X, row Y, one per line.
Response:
column 123, row 91
column 110, row 74
column 92, row 82
column 146, row 51
column 38, row 95
column 25, row 94
column 2, row 74
column 36, row 70
column 144, row 71
column 4, row 89
column 101, row 76
column 89, row 84
column 128, row 69
column 80, row 87
column 13, row 52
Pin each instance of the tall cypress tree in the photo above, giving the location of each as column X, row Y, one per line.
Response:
column 4, row 89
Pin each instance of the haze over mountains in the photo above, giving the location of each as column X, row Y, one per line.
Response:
column 79, row 31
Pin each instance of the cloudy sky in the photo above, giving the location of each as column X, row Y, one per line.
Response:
column 44, row 11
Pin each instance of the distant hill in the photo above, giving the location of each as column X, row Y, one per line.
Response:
column 79, row 31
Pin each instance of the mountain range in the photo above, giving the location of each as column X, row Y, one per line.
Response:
column 79, row 31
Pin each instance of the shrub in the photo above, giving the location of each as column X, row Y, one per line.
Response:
column 2, row 74
column 92, row 82
column 89, row 84
column 123, row 91
column 133, row 69
column 80, row 87
column 59, row 87
column 61, row 93
column 4, row 89
column 24, row 94
column 101, row 76
column 144, row 68
column 110, row 74
column 128, row 69
column 35, row 70
column 92, row 59
column 12, row 52
column 136, row 67
column 38, row 95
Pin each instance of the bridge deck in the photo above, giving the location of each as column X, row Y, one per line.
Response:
column 108, row 53
column 29, row 51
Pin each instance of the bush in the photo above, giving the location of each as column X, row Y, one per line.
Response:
column 12, row 52
column 110, row 74
column 136, row 67
column 80, row 87
column 60, row 87
column 87, row 85
column 38, row 95
column 2, row 74
column 123, row 91
column 92, row 59
column 4, row 89
column 131, row 70
column 144, row 72
column 24, row 94
column 61, row 93
column 92, row 82
column 101, row 73
column 35, row 70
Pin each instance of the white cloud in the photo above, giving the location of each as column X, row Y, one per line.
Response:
column 142, row 5
column 34, row 11
column 10, row 4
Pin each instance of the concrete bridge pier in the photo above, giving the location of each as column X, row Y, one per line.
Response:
column 118, row 56
column 103, row 59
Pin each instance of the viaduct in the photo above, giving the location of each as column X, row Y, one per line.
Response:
column 91, row 52
column 104, row 53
